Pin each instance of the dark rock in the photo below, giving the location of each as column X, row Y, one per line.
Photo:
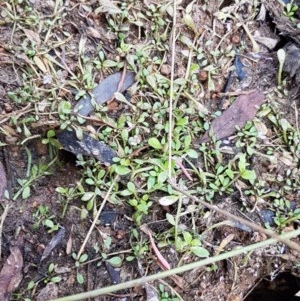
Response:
column 88, row 146
column 104, row 92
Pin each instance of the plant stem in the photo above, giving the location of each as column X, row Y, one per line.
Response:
column 178, row 270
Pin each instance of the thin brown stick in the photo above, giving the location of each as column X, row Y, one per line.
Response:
column 253, row 226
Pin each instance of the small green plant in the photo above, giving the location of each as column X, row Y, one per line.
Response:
column 33, row 174
column 188, row 243
column 141, row 207
column 138, row 246
column 247, row 138
column 51, row 276
column 285, row 214
column 212, row 268
column 164, row 295
column 290, row 10
column 83, row 258
column 52, row 143
column 43, row 216
column 67, row 194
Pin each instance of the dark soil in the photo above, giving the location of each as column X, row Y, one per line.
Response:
column 231, row 280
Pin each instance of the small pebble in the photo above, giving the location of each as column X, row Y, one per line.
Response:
column 120, row 234
column 7, row 107
column 202, row 76
column 165, row 69
column 235, row 40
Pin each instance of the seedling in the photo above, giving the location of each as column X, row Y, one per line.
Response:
column 52, row 143
column 43, row 216
column 290, row 10
column 141, row 207
column 36, row 171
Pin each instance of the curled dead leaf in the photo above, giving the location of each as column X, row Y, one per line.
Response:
column 11, row 276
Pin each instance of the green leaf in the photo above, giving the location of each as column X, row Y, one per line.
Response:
column 130, row 258
column 151, row 81
column 64, row 107
column 187, row 141
column 131, row 187
column 285, row 124
column 79, row 278
column 187, row 41
column 196, row 242
column 188, row 20
column 109, row 63
column 180, row 244
column 51, row 267
column 26, row 193
column 242, row 162
column 122, row 170
column 89, row 181
column 87, row 196
column 150, row 182
column 83, row 258
column 26, row 131
column 56, row 279
column 187, row 237
column 61, row 190
column 83, row 213
column 192, row 153
column 50, row 134
column 170, row 218
column 182, row 121
column 125, row 192
column 90, row 204
column 133, row 202
column 107, row 242
column 154, row 142
column 168, row 200
column 248, row 175
column 115, row 261
column 199, row 251
column 49, row 223
column 230, row 173
column 162, row 177
column 30, row 285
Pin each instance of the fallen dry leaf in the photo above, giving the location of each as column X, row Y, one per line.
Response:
column 242, row 110
column 40, row 64
column 32, row 36
column 56, row 240
column 93, row 32
column 10, row 276
column 224, row 243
